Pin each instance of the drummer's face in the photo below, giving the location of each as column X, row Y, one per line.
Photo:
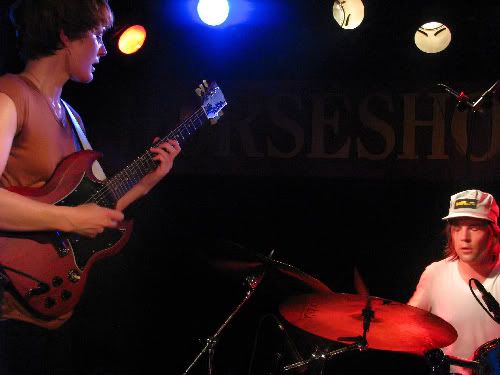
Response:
column 470, row 238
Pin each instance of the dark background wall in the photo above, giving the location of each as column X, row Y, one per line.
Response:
column 147, row 307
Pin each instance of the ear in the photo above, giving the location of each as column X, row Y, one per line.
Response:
column 63, row 38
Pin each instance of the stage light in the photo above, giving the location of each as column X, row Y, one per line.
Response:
column 132, row 39
column 432, row 37
column 348, row 13
column 213, row 12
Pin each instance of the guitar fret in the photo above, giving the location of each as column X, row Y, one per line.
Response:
column 117, row 186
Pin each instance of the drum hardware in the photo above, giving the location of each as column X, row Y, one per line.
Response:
column 241, row 261
column 211, row 342
column 488, row 356
column 388, row 325
column 238, row 260
column 359, row 342
column 439, row 362
column 320, row 355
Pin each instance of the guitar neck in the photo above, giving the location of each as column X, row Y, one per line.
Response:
column 128, row 177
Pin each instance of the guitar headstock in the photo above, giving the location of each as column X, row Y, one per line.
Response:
column 212, row 100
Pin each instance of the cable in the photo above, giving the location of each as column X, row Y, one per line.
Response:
column 478, row 301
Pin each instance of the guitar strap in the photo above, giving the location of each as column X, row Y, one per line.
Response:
column 96, row 167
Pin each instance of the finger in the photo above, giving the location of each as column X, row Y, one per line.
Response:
column 112, row 224
column 115, row 215
column 175, row 144
column 159, row 151
column 171, row 146
column 168, row 147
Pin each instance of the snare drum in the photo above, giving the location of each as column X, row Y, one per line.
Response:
column 488, row 355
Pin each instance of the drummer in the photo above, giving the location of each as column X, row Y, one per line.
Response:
column 472, row 251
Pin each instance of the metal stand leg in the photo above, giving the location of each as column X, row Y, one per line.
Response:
column 211, row 342
column 322, row 356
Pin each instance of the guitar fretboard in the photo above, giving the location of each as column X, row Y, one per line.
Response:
column 117, row 186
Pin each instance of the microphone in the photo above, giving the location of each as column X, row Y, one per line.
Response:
column 485, row 94
column 489, row 300
column 463, row 100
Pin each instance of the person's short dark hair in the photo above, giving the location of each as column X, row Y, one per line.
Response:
column 38, row 23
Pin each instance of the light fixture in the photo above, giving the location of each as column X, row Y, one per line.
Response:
column 348, row 13
column 132, row 39
column 213, row 12
column 432, row 37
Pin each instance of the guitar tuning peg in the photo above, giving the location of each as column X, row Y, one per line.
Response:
column 202, row 88
column 198, row 91
column 205, row 83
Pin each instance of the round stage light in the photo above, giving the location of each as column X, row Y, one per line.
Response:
column 132, row 39
column 348, row 13
column 213, row 12
column 432, row 37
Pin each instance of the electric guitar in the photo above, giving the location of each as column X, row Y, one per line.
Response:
column 47, row 271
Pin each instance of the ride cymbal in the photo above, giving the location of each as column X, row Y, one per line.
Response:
column 394, row 326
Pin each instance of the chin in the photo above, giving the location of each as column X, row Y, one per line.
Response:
column 83, row 78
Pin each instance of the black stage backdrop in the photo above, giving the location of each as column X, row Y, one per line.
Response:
column 336, row 151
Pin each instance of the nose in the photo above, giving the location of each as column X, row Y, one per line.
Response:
column 102, row 50
column 464, row 234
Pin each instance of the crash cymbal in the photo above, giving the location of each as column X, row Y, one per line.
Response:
column 394, row 327
column 242, row 261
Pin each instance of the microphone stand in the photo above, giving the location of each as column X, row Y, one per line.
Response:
column 463, row 102
column 211, row 342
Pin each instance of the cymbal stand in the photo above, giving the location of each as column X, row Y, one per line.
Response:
column 368, row 315
column 211, row 342
column 439, row 363
column 360, row 342
column 360, row 345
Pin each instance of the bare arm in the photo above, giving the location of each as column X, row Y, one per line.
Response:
column 18, row 213
column 421, row 296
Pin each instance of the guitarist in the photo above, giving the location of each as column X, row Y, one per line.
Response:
column 59, row 41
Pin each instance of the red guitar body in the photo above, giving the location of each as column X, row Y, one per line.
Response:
column 48, row 270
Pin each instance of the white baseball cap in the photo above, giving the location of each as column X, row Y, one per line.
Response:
column 473, row 203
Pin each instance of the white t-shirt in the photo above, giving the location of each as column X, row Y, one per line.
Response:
column 442, row 291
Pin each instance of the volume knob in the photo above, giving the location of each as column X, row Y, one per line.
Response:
column 74, row 276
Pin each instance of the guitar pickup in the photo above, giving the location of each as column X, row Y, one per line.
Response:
column 61, row 245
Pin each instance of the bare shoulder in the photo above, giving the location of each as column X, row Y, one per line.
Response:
column 8, row 114
column 8, row 126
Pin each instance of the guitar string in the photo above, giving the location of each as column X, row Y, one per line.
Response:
column 101, row 193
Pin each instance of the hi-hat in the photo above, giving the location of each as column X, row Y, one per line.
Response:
column 394, row 326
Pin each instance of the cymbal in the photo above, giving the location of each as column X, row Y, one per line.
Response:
column 241, row 260
column 394, row 327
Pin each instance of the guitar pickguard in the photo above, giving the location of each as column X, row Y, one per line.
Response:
column 84, row 247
